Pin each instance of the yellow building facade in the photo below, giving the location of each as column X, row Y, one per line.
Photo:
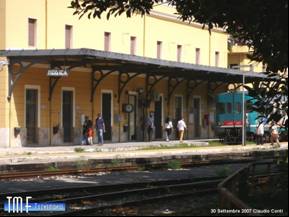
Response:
column 158, row 35
column 238, row 57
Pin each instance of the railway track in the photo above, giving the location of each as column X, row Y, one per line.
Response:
column 32, row 174
column 96, row 198
column 10, row 175
column 128, row 197
column 92, row 204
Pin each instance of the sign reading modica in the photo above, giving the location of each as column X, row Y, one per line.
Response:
column 57, row 73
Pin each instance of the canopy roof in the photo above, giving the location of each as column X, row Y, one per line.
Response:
column 129, row 63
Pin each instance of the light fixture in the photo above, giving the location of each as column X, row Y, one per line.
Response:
column 3, row 63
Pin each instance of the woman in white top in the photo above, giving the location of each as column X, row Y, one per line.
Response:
column 260, row 133
column 168, row 128
column 181, row 128
column 274, row 134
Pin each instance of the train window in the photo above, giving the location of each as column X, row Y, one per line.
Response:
column 238, row 108
column 229, row 108
column 249, row 106
column 220, row 108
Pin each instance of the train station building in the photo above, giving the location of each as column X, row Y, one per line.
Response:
column 55, row 69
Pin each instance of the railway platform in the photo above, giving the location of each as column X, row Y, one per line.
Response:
column 132, row 154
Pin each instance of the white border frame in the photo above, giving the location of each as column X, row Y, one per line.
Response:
column 38, row 88
column 112, row 113
column 61, row 103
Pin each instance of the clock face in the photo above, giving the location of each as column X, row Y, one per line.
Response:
column 129, row 108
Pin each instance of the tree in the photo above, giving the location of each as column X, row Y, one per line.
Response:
column 261, row 25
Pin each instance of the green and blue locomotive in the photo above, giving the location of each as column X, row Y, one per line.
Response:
column 229, row 118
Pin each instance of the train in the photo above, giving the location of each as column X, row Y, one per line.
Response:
column 229, row 118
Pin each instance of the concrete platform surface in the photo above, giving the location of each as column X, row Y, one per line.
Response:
column 71, row 181
column 109, row 147
column 12, row 156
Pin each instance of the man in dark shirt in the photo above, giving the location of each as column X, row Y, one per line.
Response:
column 100, row 128
column 150, row 126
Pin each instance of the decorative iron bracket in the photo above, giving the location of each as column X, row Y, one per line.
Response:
column 173, row 83
column 54, row 80
column 123, row 79
column 151, row 82
column 97, row 76
column 14, row 76
column 215, row 86
column 191, row 86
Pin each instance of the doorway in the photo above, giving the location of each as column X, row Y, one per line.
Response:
column 67, row 115
column 197, row 116
column 31, row 115
column 132, row 117
column 178, row 108
column 158, row 117
column 107, row 115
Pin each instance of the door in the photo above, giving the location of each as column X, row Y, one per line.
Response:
column 31, row 115
column 67, row 115
column 107, row 115
column 197, row 116
column 158, row 118
column 132, row 131
column 179, row 107
column 178, row 112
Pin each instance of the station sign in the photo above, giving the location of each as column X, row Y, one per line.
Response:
column 57, row 73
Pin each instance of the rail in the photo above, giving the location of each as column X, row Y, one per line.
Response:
column 234, row 190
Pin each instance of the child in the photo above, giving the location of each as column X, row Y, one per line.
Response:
column 90, row 133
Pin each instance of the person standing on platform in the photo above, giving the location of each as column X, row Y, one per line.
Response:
column 150, row 126
column 181, row 128
column 90, row 133
column 100, row 128
column 260, row 132
column 168, row 128
column 274, row 134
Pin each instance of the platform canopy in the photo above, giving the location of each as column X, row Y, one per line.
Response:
column 128, row 63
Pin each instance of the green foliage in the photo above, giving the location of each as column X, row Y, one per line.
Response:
column 115, row 162
column 82, row 164
column 224, row 171
column 174, row 164
column 79, row 150
column 52, row 169
column 270, row 99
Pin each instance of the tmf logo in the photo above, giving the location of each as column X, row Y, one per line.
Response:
column 15, row 204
